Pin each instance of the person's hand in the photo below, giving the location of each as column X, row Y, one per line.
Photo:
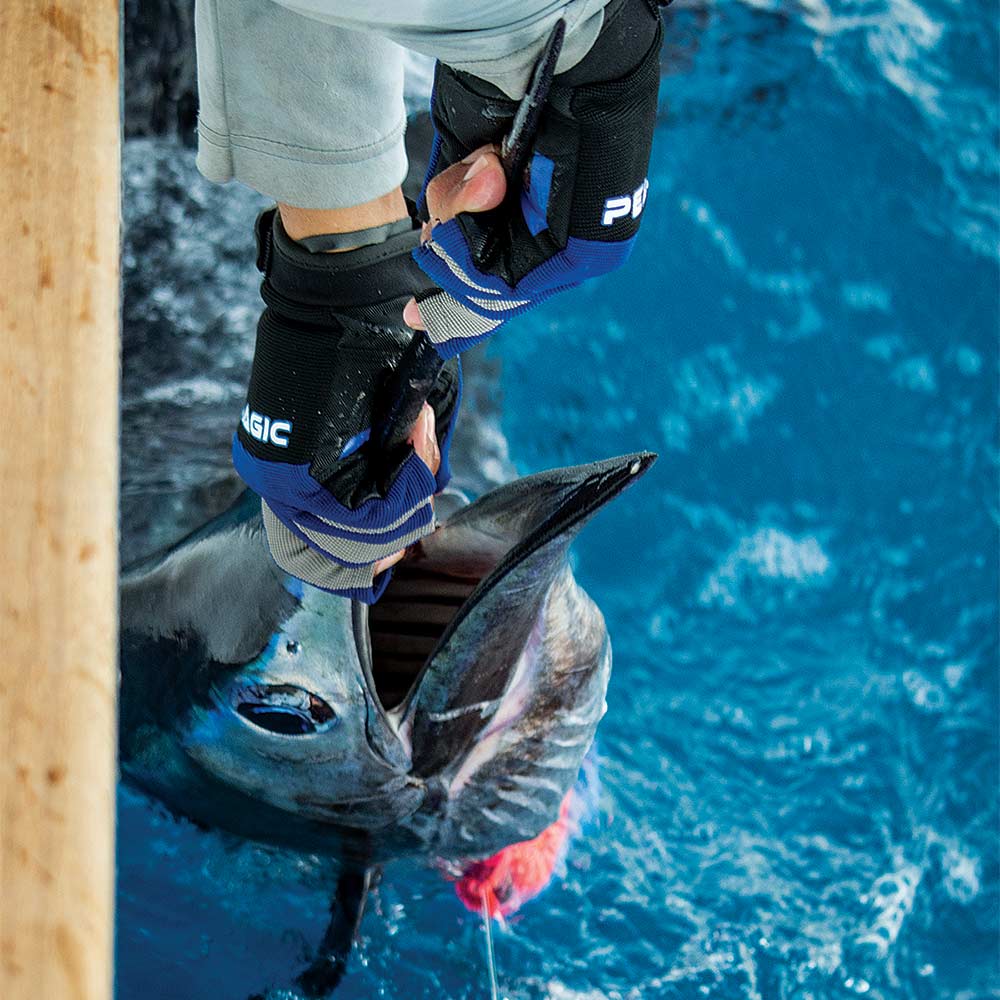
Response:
column 578, row 210
column 338, row 505
column 474, row 184
column 425, row 446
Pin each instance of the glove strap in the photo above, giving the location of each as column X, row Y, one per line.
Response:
column 370, row 283
column 373, row 235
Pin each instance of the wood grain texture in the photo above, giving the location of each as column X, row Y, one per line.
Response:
column 59, row 164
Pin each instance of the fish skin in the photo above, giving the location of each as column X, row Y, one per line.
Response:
column 481, row 752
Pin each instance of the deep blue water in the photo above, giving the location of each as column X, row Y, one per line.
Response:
column 799, row 763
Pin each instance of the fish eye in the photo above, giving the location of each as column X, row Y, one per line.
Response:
column 285, row 710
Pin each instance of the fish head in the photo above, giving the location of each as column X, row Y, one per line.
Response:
column 244, row 691
column 258, row 704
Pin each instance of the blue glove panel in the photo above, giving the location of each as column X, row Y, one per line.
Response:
column 469, row 304
column 303, row 520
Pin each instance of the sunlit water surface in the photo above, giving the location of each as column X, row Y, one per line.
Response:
column 799, row 762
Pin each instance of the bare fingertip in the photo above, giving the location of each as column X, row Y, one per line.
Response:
column 412, row 317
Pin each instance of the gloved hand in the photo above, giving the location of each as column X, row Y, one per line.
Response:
column 578, row 211
column 334, row 500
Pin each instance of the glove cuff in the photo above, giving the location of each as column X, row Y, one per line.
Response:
column 369, row 284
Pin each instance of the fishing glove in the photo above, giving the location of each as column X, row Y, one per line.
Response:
column 334, row 500
column 575, row 213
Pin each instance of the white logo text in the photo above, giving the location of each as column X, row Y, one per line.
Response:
column 626, row 204
column 265, row 429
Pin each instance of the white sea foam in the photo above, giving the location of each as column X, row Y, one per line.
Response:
column 891, row 901
column 955, row 675
column 767, row 554
column 554, row 990
column 792, row 285
column 900, row 41
column 884, row 347
column 917, row 374
column 968, row 360
column 962, row 872
column 909, row 53
column 866, row 296
column 709, row 389
column 924, row 693
column 194, row 391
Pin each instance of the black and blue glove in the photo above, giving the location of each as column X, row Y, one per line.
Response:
column 334, row 499
column 576, row 212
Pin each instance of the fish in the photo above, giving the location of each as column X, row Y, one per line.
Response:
column 447, row 721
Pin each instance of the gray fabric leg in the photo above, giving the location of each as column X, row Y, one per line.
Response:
column 303, row 99
column 305, row 112
column 496, row 40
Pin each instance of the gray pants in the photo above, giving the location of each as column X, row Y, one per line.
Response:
column 303, row 101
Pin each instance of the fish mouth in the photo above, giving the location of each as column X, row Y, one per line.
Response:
column 398, row 635
column 384, row 806
column 377, row 796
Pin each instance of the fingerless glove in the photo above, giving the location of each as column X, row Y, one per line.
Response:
column 334, row 501
column 577, row 210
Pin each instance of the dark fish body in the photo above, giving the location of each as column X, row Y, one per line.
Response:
column 448, row 721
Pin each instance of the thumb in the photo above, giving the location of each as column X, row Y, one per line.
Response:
column 475, row 184
column 425, row 445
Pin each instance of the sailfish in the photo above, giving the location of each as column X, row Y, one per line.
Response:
column 449, row 721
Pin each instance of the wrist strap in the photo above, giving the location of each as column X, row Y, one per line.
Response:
column 357, row 238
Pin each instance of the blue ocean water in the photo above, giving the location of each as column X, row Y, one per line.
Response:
column 799, row 763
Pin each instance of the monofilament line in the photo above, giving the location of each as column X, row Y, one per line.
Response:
column 491, row 962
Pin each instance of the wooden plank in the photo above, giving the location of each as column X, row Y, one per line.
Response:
column 59, row 347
